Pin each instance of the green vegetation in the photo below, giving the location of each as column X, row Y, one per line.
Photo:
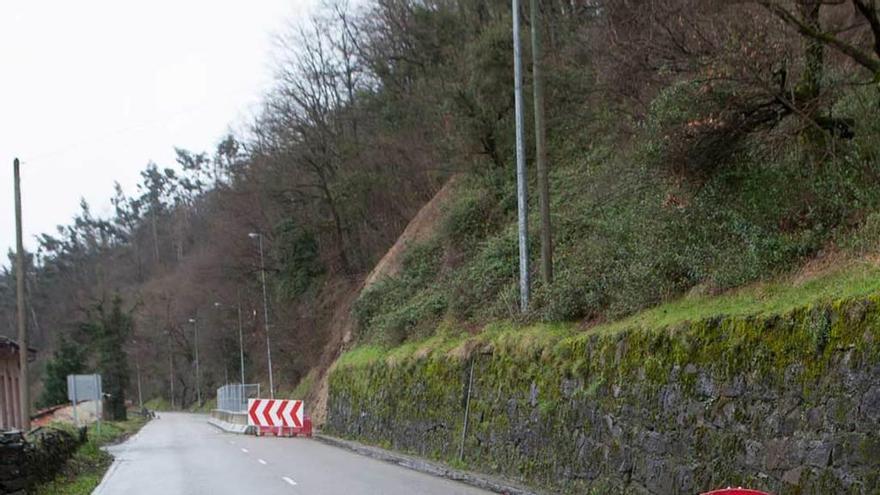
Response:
column 709, row 146
column 851, row 280
column 69, row 359
column 207, row 406
column 158, row 404
column 632, row 234
column 303, row 388
column 109, row 330
column 83, row 472
column 541, row 393
column 846, row 281
column 297, row 255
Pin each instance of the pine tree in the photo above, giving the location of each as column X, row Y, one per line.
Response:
column 109, row 332
column 69, row 359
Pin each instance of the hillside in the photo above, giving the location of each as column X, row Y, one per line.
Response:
column 695, row 155
column 629, row 236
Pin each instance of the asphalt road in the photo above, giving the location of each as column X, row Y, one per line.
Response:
column 182, row 454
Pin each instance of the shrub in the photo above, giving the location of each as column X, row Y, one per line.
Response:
column 296, row 254
column 477, row 284
column 389, row 309
column 630, row 232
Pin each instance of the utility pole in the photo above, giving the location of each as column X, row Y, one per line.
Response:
column 541, row 146
column 140, row 393
column 198, row 374
column 521, row 179
column 137, row 365
column 240, row 339
column 265, row 313
column 23, row 381
column 170, row 368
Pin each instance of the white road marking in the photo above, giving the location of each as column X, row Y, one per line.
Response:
column 262, row 462
column 289, row 481
column 244, row 450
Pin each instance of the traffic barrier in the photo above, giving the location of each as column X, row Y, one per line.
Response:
column 280, row 417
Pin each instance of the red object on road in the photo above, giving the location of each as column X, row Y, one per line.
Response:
column 279, row 416
column 735, row 491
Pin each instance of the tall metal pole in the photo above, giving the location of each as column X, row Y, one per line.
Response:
column 540, row 145
column 240, row 339
column 259, row 236
column 137, row 364
column 521, row 184
column 170, row 369
column 24, row 395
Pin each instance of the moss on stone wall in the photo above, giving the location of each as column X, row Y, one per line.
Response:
column 787, row 402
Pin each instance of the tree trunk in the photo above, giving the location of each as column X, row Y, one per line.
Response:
column 540, row 148
column 155, row 236
column 810, row 86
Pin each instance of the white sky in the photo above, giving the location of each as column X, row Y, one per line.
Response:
column 91, row 90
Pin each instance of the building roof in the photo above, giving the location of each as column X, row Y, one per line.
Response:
column 7, row 343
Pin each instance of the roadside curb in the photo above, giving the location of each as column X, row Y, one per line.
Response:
column 428, row 467
column 229, row 427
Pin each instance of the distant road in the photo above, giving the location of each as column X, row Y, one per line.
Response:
column 181, row 454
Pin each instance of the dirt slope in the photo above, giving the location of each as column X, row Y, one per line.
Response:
column 342, row 325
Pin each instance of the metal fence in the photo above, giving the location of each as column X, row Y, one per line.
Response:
column 234, row 398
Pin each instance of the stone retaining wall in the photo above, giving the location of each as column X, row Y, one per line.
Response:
column 787, row 403
column 38, row 457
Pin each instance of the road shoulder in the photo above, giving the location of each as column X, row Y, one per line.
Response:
column 478, row 480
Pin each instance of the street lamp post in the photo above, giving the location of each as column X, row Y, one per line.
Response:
column 198, row 374
column 259, row 236
column 240, row 339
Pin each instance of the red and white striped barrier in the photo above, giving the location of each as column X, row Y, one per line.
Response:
column 279, row 416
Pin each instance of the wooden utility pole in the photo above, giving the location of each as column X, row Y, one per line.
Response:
column 23, row 382
column 541, row 147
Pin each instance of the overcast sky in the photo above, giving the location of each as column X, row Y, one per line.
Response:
column 91, row 90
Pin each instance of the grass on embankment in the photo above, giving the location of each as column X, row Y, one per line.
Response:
column 158, row 404
column 83, row 472
column 849, row 279
column 207, row 406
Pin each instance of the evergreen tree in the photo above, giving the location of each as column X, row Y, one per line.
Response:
column 109, row 332
column 69, row 359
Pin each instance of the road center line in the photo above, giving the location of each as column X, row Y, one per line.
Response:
column 244, row 450
column 262, row 462
column 289, row 481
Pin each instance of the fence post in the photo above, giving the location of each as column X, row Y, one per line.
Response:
column 75, row 414
column 467, row 407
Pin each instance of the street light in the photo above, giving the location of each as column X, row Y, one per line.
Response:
column 198, row 375
column 240, row 337
column 256, row 235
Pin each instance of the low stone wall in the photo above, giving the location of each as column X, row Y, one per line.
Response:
column 789, row 404
column 38, row 457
